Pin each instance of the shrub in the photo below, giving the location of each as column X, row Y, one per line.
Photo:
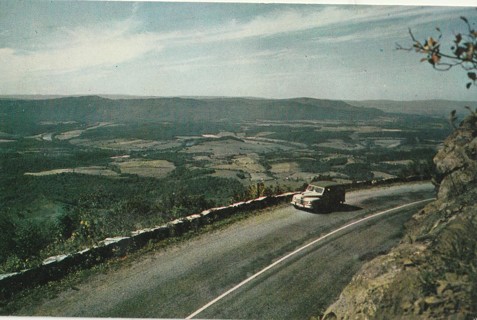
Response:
column 31, row 237
column 67, row 223
column 7, row 243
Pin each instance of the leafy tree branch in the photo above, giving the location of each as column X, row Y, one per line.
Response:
column 462, row 53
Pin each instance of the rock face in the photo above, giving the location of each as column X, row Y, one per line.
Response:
column 457, row 160
column 432, row 273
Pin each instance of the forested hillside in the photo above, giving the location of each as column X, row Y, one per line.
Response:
column 97, row 109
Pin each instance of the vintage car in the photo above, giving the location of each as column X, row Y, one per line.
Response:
column 320, row 195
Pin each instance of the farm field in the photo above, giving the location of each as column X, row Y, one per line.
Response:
column 72, row 177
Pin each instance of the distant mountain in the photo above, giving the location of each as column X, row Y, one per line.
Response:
column 29, row 97
column 439, row 108
column 95, row 109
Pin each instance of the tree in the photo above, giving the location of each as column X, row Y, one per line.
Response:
column 462, row 53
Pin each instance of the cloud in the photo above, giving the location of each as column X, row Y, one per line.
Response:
column 82, row 48
column 385, row 23
column 291, row 20
column 275, row 23
column 122, row 41
column 186, row 59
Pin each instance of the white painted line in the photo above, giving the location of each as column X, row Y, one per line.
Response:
column 299, row 250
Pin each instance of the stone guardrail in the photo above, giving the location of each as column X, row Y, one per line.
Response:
column 55, row 268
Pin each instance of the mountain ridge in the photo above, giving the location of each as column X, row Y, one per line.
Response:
column 433, row 107
column 96, row 108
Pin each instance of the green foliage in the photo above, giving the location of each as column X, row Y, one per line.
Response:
column 313, row 166
column 410, row 136
column 22, row 240
column 259, row 189
column 28, row 155
column 241, row 175
column 159, row 131
column 319, row 166
column 420, row 168
column 7, row 242
column 181, row 203
column 137, row 206
column 183, row 173
column 255, row 191
column 310, row 137
column 67, row 223
column 397, row 155
column 96, row 207
column 357, row 171
column 428, row 282
column 31, row 237
column 13, row 263
column 265, row 163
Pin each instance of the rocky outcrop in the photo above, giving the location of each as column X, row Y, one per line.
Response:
column 432, row 273
column 456, row 161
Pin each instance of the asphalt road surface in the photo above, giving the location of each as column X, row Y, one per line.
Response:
column 268, row 266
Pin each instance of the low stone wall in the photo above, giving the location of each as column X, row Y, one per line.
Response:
column 57, row 267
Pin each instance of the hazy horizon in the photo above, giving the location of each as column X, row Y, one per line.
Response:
column 113, row 96
column 269, row 51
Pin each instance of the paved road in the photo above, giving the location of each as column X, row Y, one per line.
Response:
column 177, row 281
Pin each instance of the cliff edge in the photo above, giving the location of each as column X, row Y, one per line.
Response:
column 432, row 273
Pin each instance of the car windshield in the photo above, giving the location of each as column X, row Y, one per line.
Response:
column 315, row 189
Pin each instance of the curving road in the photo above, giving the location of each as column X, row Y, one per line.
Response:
column 185, row 280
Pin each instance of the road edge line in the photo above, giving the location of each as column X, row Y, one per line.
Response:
column 223, row 295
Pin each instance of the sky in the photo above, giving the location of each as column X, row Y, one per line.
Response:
column 345, row 52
